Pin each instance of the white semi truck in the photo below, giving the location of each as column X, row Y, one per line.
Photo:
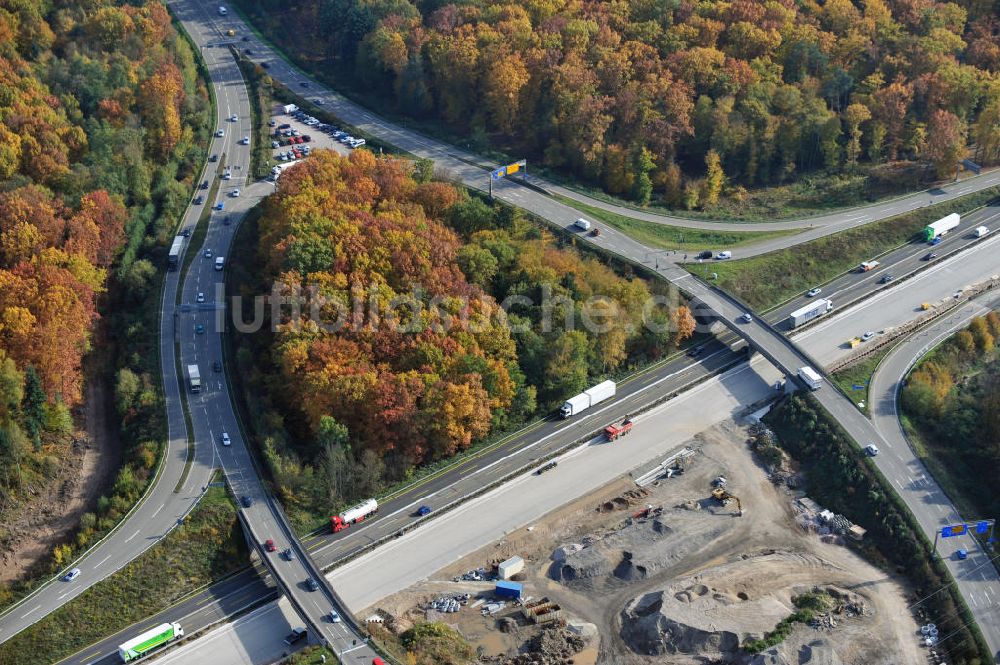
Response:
column 195, row 377
column 587, row 399
column 810, row 377
column 152, row 639
column 811, row 311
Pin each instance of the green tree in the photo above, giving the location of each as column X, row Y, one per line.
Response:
column 478, row 264
column 714, row 180
column 11, row 389
column 33, row 406
column 642, row 185
column 332, row 433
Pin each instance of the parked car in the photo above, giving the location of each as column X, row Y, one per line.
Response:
column 271, row 122
column 297, row 635
column 226, row 441
column 71, row 575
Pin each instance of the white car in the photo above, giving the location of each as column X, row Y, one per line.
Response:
column 871, row 449
column 235, row 193
column 245, row 140
column 722, row 256
column 71, row 575
column 228, row 175
column 358, row 143
column 225, row 439
column 334, row 617
column 868, row 335
column 233, row 118
column 746, row 318
column 201, row 297
column 812, row 293
column 220, row 133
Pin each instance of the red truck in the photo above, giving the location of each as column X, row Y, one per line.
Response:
column 354, row 515
column 612, row 432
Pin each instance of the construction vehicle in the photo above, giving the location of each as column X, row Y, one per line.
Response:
column 724, row 497
column 613, row 431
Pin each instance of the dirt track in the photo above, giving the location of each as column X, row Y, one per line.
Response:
column 702, row 569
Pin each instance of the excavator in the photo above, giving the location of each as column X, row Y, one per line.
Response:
column 724, row 497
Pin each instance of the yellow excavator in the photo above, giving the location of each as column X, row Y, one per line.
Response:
column 724, row 497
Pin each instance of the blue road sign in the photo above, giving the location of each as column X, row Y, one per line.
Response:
column 953, row 530
column 499, row 173
column 983, row 526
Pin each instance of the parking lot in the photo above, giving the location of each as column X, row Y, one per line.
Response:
column 295, row 135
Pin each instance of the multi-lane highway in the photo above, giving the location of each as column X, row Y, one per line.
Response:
column 212, row 411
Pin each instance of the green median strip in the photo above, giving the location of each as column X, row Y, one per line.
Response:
column 663, row 236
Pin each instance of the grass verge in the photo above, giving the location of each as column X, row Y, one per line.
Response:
column 207, row 546
column 763, row 281
column 312, row 655
column 675, row 237
column 860, row 374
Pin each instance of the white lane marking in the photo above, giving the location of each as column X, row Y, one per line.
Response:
column 98, row 564
column 34, row 609
column 159, row 509
column 132, row 536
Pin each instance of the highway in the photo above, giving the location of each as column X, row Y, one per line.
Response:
column 363, row 581
column 536, row 442
column 212, row 411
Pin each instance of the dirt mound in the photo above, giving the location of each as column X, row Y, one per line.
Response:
column 816, row 652
column 552, row 646
column 649, row 631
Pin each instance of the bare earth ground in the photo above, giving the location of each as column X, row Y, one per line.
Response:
column 687, row 585
column 34, row 527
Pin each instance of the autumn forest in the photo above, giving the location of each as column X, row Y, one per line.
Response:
column 656, row 99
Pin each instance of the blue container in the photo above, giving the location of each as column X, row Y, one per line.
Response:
column 509, row 589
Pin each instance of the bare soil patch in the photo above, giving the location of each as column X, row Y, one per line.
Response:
column 686, row 582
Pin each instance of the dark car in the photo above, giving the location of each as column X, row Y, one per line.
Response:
column 246, row 501
column 424, row 510
column 216, row 366
column 696, row 351
column 265, row 65
column 248, row 52
column 204, row 184
column 186, row 233
column 198, row 200
column 213, row 158
column 886, row 279
column 707, row 254
column 305, row 84
column 547, row 467
column 932, row 255
column 284, row 126
column 312, row 584
column 288, row 554
column 246, row 39
column 297, row 635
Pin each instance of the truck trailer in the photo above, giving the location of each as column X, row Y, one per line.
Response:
column 810, row 377
column 290, row 108
column 173, row 258
column 613, row 431
column 195, row 377
column 152, row 639
column 942, row 226
column 354, row 515
column 587, row 399
column 813, row 310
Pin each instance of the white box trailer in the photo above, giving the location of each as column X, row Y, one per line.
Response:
column 811, row 311
column 512, row 566
column 195, row 377
column 587, row 399
column 290, row 108
column 810, row 377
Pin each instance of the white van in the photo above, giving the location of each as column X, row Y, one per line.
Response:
column 721, row 256
column 219, row 262
column 581, row 223
column 222, row 11
column 981, row 231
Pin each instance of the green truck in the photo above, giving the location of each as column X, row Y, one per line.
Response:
column 152, row 639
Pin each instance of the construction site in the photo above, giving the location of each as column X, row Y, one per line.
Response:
column 687, row 561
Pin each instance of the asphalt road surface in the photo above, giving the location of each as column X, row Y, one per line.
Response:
column 656, row 433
